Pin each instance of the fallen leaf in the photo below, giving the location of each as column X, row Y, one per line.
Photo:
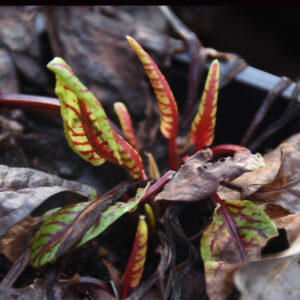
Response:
column 62, row 290
column 273, row 278
column 23, row 189
column 291, row 224
column 285, row 189
column 251, row 182
column 13, row 243
column 197, row 179
column 105, row 61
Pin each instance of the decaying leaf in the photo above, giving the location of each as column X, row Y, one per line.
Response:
column 197, row 179
column 23, row 189
column 251, row 182
column 273, row 278
column 13, row 243
column 236, row 235
column 285, row 189
column 291, row 224
column 62, row 290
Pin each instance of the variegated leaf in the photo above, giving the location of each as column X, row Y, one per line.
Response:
column 203, row 127
column 126, row 123
column 110, row 215
column 86, row 125
column 237, row 234
column 135, row 265
column 167, row 104
column 131, row 159
column 48, row 239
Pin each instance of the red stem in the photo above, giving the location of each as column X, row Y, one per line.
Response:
column 154, row 188
column 231, row 226
column 47, row 104
column 125, row 291
column 173, row 157
column 226, row 149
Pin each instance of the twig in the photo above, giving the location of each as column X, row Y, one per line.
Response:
column 265, row 106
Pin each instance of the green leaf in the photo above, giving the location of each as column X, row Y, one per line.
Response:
column 237, row 234
column 86, row 125
column 80, row 223
column 113, row 213
column 47, row 239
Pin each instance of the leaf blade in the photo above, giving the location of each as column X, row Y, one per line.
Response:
column 166, row 101
column 203, row 126
column 111, row 215
column 220, row 249
column 126, row 123
column 100, row 131
column 135, row 265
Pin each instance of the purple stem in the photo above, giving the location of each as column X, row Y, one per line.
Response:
column 231, row 226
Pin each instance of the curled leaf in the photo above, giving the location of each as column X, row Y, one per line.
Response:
column 198, row 179
column 203, row 127
column 24, row 189
column 135, row 266
column 86, row 125
column 166, row 101
column 153, row 170
column 131, row 159
column 126, row 123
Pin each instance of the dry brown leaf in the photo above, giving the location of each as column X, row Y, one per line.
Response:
column 274, row 278
column 13, row 243
column 251, row 182
column 285, row 189
column 23, row 189
column 92, row 44
column 270, row 280
column 197, row 179
column 291, row 224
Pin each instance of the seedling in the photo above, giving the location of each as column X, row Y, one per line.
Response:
column 90, row 134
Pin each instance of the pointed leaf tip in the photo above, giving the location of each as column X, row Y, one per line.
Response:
column 126, row 123
column 166, row 101
column 135, row 266
column 203, row 127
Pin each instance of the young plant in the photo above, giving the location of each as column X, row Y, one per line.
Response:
column 90, row 134
column 166, row 101
column 203, row 127
column 86, row 126
column 135, row 266
column 126, row 123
